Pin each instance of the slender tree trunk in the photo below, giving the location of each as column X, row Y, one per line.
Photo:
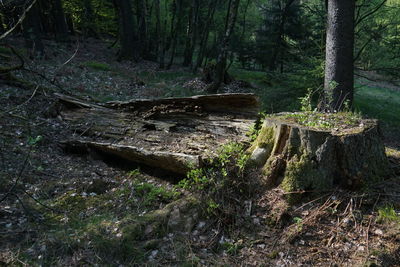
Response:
column 142, row 22
column 2, row 27
column 163, row 37
column 128, row 38
column 339, row 66
column 175, row 32
column 192, row 33
column 205, row 34
column 61, row 28
column 46, row 23
column 32, row 32
column 280, row 37
column 158, row 29
column 89, row 26
column 223, row 52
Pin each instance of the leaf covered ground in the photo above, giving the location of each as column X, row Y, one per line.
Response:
column 63, row 209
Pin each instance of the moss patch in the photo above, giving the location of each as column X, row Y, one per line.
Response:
column 265, row 139
column 302, row 175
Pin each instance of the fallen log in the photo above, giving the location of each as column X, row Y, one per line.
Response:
column 305, row 158
column 173, row 134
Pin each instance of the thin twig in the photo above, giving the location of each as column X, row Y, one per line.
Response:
column 27, row 101
column 39, row 202
column 21, row 19
column 19, row 175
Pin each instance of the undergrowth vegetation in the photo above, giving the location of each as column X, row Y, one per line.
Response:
column 223, row 185
column 104, row 218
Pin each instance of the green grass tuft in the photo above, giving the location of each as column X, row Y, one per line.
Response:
column 97, row 65
column 388, row 214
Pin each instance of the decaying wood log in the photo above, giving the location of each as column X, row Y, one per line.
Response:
column 300, row 158
column 174, row 134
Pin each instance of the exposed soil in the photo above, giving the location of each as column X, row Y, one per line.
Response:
column 337, row 229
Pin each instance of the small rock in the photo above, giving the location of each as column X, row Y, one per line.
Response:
column 378, row 232
column 256, row 221
column 262, row 246
column 201, row 225
column 174, row 219
column 154, row 253
column 259, row 156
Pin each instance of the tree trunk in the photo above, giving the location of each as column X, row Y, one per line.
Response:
column 223, row 51
column 159, row 34
column 302, row 159
column 205, row 34
column 280, row 37
column 89, row 26
column 32, row 32
column 142, row 22
column 174, row 134
column 2, row 28
column 191, row 33
column 339, row 66
column 61, row 28
column 46, row 20
column 128, row 38
column 174, row 33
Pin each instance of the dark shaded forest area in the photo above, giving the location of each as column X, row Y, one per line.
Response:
column 199, row 132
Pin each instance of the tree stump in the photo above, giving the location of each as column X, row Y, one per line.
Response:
column 302, row 158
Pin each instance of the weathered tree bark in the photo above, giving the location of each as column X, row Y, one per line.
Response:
column 223, row 51
column 301, row 159
column 61, row 27
column 128, row 38
column 173, row 134
column 339, row 66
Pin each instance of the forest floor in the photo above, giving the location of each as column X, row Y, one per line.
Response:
column 61, row 209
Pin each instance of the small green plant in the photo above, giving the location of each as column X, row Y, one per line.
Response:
column 134, row 173
column 97, row 65
column 150, row 194
column 252, row 133
column 33, row 141
column 222, row 182
column 306, row 101
column 231, row 248
column 299, row 223
column 388, row 214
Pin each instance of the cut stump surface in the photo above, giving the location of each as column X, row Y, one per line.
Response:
column 300, row 158
column 173, row 134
